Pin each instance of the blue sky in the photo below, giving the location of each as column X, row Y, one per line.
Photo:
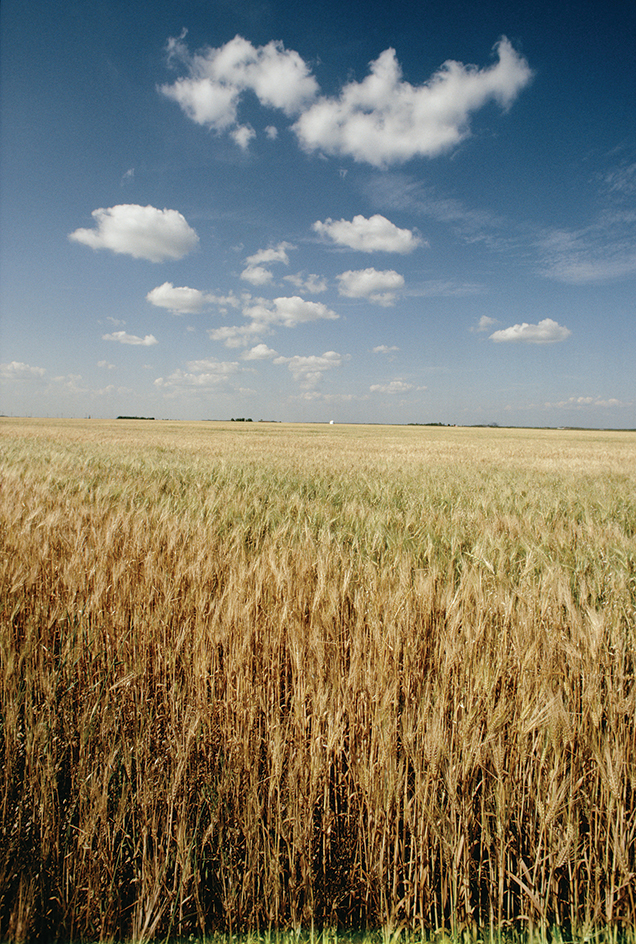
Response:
column 383, row 213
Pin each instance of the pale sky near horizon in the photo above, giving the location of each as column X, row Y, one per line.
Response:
column 389, row 213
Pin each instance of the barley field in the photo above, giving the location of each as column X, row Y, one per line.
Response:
column 258, row 677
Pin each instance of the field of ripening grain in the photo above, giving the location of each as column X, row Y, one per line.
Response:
column 265, row 676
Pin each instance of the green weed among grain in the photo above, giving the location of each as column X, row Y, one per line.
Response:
column 288, row 677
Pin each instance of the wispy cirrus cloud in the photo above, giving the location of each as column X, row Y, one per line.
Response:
column 444, row 288
column 396, row 190
column 621, row 179
column 602, row 252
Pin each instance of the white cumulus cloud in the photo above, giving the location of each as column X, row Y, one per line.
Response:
column 288, row 311
column 16, row 370
column 274, row 254
column 384, row 120
column 376, row 234
column 257, row 275
column 309, row 368
column 263, row 315
column 255, row 271
column 201, row 374
column 237, row 335
column 211, row 365
column 225, row 301
column 261, row 352
column 180, row 300
column 243, row 135
column 484, row 323
column 578, row 403
column 381, row 120
column 217, row 79
column 545, row 332
column 377, row 287
column 310, row 284
column 123, row 338
column 141, row 232
column 395, row 386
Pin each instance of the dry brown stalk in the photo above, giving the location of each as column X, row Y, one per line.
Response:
column 290, row 677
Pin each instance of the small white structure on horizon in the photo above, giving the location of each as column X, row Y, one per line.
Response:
column 331, row 422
